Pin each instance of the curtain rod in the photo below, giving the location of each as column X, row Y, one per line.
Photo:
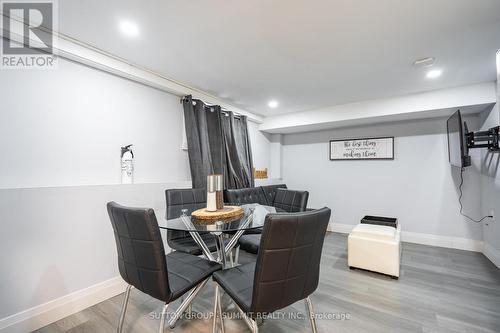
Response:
column 224, row 110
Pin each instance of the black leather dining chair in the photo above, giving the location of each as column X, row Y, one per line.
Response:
column 143, row 264
column 286, row 270
column 249, row 195
column 270, row 192
column 190, row 200
column 290, row 201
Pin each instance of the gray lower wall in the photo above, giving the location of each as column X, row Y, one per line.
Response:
column 55, row 241
column 58, row 240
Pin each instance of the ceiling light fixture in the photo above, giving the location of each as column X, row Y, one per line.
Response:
column 434, row 73
column 129, row 28
column 273, row 104
column 424, row 62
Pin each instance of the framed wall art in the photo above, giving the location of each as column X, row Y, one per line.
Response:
column 362, row 149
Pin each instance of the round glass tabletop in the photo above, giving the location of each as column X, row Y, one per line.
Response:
column 246, row 222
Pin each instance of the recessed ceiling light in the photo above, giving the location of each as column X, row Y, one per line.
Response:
column 424, row 62
column 273, row 104
column 129, row 28
column 434, row 73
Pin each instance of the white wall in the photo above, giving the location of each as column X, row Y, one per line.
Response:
column 419, row 186
column 275, row 151
column 65, row 127
column 60, row 134
column 260, row 143
column 490, row 183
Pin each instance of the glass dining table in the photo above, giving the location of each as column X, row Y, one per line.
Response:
column 227, row 232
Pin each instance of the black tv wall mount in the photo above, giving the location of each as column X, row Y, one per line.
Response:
column 483, row 139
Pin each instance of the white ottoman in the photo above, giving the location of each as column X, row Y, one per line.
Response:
column 376, row 248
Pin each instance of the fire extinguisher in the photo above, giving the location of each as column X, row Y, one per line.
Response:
column 127, row 164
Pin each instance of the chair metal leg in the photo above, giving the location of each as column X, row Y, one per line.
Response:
column 237, row 255
column 255, row 329
column 219, row 307
column 216, row 302
column 222, row 249
column 217, row 250
column 310, row 311
column 231, row 261
column 162, row 319
column 124, row 308
column 252, row 324
column 186, row 303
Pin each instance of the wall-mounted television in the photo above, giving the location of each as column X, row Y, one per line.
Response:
column 458, row 151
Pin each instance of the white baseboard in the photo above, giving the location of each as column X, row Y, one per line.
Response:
column 442, row 241
column 424, row 239
column 492, row 254
column 44, row 314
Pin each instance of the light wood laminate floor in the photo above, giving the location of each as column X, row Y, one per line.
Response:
column 440, row 290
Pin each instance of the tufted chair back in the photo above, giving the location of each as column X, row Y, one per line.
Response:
column 141, row 256
column 270, row 192
column 291, row 201
column 179, row 199
column 247, row 195
column 288, row 262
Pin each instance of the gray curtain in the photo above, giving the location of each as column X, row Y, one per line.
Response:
column 238, row 151
column 217, row 143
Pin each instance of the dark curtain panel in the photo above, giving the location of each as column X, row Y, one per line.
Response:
column 217, row 143
column 238, row 151
column 205, row 141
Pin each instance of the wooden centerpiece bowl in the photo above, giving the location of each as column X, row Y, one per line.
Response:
column 226, row 214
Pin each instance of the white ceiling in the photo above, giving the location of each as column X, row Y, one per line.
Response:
column 305, row 54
